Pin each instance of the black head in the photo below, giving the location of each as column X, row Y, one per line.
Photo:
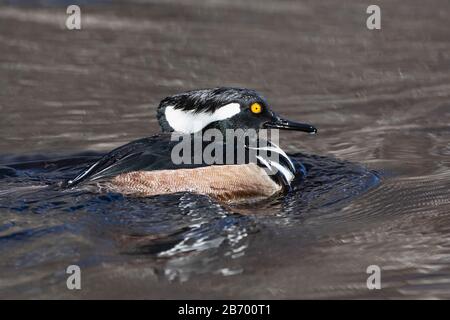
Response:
column 221, row 108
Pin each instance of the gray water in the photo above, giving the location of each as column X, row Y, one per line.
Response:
column 377, row 189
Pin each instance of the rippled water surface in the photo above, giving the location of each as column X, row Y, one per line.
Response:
column 377, row 184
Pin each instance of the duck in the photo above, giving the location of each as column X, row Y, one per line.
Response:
column 192, row 123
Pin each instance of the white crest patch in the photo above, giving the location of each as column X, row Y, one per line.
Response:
column 190, row 122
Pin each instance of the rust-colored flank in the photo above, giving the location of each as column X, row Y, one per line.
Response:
column 229, row 183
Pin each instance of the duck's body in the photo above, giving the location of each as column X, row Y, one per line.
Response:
column 146, row 167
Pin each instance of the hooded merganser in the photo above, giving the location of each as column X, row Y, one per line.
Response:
column 144, row 167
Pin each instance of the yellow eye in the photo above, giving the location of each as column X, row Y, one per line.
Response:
column 256, row 107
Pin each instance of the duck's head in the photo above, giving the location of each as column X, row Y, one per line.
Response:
column 221, row 108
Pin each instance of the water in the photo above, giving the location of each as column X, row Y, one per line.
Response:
column 377, row 189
